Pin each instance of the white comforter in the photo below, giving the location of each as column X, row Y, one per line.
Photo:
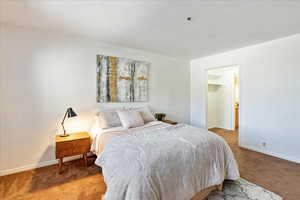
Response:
column 165, row 163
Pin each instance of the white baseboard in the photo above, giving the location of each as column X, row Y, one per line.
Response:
column 277, row 155
column 34, row 166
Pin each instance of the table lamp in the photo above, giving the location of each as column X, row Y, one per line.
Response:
column 70, row 113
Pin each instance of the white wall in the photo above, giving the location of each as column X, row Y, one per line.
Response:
column 44, row 73
column 269, row 95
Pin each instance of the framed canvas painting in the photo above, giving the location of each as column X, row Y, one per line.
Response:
column 122, row 79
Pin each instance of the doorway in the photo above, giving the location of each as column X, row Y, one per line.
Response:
column 223, row 85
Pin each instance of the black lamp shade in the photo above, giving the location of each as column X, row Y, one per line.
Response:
column 71, row 113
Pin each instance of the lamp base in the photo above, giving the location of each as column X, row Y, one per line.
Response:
column 64, row 135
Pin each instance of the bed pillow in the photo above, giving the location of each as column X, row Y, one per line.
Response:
column 146, row 114
column 109, row 119
column 130, row 118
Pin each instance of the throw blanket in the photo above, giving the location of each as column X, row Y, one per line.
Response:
column 168, row 163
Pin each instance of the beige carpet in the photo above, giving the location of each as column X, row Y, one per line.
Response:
column 76, row 182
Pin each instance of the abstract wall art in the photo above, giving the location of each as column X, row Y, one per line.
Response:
column 121, row 79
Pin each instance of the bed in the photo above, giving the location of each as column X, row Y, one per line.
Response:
column 159, row 161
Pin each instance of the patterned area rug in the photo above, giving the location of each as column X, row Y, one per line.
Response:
column 243, row 190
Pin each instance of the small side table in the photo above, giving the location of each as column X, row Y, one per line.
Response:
column 74, row 144
column 169, row 121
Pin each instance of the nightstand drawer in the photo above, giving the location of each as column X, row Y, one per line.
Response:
column 64, row 153
column 72, row 144
column 64, row 145
column 72, row 151
column 81, row 142
column 81, row 150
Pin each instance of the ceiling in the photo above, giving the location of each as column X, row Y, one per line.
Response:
column 161, row 26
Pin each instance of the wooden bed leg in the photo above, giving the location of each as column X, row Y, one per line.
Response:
column 220, row 187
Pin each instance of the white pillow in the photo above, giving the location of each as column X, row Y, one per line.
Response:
column 146, row 114
column 109, row 119
column 130, row 118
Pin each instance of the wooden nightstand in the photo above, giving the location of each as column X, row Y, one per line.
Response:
column 169, row 121
column 74, row 144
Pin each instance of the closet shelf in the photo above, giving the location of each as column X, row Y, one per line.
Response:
column 214, row 76
column 213, row 82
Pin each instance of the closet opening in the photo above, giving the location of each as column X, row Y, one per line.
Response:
column 223, row 85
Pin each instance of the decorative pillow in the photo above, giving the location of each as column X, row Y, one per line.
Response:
column 146, row 114
column 109, row 119
column 130, row 118
column 120, row 128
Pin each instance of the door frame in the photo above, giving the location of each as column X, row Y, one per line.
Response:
column 205, row 93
